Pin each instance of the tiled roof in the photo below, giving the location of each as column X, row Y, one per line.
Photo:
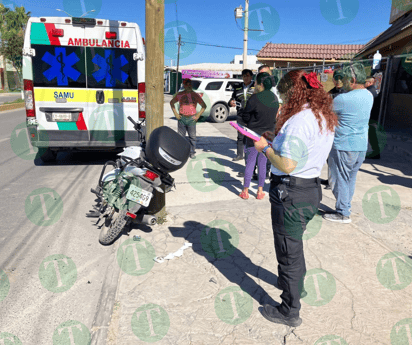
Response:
column 309, row 51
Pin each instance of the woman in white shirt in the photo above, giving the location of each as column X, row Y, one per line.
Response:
column 303, row 137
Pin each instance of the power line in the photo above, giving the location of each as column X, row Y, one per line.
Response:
column 213, row 45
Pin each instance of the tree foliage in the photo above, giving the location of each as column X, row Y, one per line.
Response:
column 12, row 28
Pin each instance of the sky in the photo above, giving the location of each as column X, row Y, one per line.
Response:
column 204, row 23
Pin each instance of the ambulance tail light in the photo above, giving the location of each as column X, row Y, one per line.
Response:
column 29, row 98
column 111, row 35
column 142, row 100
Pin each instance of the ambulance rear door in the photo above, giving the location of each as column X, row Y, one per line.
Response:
column 112, row 83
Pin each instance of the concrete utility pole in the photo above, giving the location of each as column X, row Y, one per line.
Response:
column 155, row 20
column 245, row 34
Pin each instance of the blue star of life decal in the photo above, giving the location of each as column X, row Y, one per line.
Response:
column 61, row 66
column 110, row 68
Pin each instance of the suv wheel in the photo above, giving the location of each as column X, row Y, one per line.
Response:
column 219, row 113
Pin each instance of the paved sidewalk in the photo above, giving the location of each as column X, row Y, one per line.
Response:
column 359, row 275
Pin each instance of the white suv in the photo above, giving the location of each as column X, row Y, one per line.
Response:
column 216, row 93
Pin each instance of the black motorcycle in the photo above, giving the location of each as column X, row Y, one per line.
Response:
column 124, row 194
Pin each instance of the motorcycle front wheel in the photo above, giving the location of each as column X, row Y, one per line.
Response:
column 112, row 227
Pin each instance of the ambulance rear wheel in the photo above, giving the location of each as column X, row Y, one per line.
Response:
column 48, row 155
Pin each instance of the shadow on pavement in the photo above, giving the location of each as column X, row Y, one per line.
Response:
column 236, row 267
column 388, row 178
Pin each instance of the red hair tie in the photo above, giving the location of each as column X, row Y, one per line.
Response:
column 312, row 80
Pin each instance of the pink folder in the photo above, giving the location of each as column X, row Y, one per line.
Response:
column 247, row 132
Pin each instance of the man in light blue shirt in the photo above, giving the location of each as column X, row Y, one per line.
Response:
column 351, row 140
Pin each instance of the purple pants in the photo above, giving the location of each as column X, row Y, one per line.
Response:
column 251, row 155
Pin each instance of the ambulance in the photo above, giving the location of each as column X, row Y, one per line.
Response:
column 82, row 78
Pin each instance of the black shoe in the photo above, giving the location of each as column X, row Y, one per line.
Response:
column 241, row 174
column 237, row 158
column 324, row 182
column 192, row 156
column 328, row 187
column 274, row 315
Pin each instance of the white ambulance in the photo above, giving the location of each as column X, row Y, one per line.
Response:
column 82, row 78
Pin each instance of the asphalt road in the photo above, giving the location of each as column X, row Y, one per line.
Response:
column 52, row 266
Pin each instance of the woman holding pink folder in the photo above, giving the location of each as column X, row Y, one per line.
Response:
column 302, row 140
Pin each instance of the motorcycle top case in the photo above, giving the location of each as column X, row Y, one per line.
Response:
column 167, row 150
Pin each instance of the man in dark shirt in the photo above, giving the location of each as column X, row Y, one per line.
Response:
column 239, row 100
column 373, row 121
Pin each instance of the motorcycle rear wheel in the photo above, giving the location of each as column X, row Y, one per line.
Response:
column 112, row 227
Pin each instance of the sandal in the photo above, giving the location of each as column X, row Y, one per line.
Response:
column 260, row 196
column 244, row 195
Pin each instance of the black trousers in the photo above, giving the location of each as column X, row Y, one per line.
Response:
column 241, row 139
column 290, row 216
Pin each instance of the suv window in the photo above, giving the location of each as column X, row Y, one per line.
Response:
column 195, row 84
column 214, row 86
column 232, row 84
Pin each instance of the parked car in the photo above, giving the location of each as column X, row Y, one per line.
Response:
column 216, row 92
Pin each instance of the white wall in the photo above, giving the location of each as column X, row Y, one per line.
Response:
column 251, row 59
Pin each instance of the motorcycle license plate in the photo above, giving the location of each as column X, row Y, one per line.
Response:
column 139, row 195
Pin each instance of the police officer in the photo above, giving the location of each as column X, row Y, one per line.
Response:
column 239, row 99
column 302, row 141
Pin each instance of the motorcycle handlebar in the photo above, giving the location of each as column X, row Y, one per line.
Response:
column 132, row 121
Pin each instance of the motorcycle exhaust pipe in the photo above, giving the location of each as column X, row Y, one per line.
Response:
column 149, row 220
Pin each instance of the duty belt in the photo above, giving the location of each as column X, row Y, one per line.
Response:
column 294, row 181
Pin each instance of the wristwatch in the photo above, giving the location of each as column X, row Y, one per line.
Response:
column 265, row 149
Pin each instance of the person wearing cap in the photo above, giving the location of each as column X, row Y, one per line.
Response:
column 351, row 140
column 301, row 142
column 337, row 81
column 188, row 116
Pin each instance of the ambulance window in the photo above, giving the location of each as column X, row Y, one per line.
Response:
column 111, row 68
column 56, row 66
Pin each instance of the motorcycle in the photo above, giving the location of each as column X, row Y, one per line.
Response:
column 125, row 194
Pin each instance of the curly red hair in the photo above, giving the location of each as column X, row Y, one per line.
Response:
column 298, row 93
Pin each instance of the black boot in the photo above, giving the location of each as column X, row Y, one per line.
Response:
column 274, row 315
